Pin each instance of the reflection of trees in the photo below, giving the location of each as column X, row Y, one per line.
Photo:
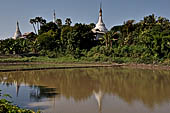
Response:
column 42, row 92
column 150, row 87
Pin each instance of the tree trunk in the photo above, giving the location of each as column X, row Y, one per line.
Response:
column 106, row 42
column 111, row 43
column 34, row 29
column 37, row 28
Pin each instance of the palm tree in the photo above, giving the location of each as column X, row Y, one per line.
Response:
column 33, row 22
column 38, row 20
column 42, row 22
column 129, row 25
column 59, row 23
column 150, row 20
column 109, row 37
column 106, row 39
column 68, row 21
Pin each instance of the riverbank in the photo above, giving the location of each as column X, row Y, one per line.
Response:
column 44, row 63
column 71, row 59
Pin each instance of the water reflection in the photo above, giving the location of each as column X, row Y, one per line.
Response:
column 130, row 85
column 99, row 96
column 43, row 92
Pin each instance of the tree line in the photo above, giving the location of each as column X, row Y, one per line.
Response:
column 145, row 41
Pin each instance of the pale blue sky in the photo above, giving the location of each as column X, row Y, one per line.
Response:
column 115, row 12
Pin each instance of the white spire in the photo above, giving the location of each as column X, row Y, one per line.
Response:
column 18, row 32
column 54, row 17
column 100, row 24
column 100, row 28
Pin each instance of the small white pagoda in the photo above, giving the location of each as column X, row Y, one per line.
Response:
column 100, row 28
column 18, row 33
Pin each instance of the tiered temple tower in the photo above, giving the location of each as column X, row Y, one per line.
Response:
column 17, row 33
column 100, row 28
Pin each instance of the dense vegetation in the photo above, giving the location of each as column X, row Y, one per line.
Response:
column 147, row 41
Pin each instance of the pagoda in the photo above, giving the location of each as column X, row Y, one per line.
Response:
column 100, row 28
column 17, row 33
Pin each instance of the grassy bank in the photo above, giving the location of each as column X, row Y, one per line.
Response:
column 40, row 63
column 38, row 59
column 70, row 59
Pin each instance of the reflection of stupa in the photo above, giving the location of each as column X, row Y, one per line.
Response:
column 17, row 88
column 99, row 96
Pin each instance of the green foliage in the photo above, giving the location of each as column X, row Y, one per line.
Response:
column 47, row 41
column 10, row 46
column 147, row 41
column 47, row 27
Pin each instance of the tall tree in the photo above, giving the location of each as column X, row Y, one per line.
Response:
column 33, row 22
column 42, row 22
column 38, row 19
column 59, row 23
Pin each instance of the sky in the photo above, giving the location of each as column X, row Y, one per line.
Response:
column 115, row 12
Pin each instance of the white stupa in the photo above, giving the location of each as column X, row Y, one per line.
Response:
column 100, row 28
column 17, row 33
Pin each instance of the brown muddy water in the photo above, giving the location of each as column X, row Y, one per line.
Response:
column 92, row 90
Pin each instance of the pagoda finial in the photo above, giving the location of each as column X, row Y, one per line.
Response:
column 17, row 23
column 100, row 8
column 17, row 29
